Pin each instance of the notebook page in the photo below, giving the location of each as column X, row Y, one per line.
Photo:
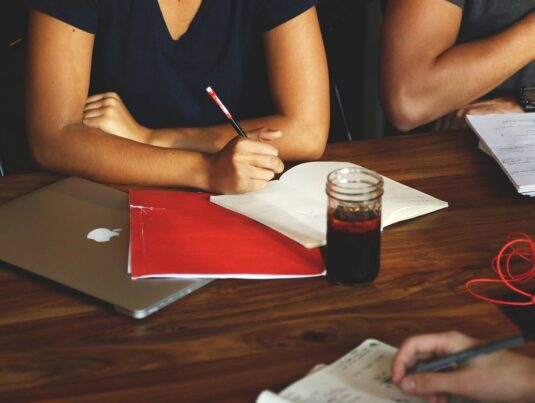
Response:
column 283, row 208
column 483, row 147
column 511, row 140
column 356, row 377
column 295, row 205
column 401, row 202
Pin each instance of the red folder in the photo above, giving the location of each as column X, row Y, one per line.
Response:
column 182, row 234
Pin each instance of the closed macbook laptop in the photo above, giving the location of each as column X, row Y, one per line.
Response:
column 76, row 232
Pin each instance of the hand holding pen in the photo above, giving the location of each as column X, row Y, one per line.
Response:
column 500, row 376
column 243, row 164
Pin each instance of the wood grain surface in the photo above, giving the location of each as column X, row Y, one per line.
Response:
column 234, row 338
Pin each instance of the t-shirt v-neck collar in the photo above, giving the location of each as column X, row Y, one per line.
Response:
column 163, row 29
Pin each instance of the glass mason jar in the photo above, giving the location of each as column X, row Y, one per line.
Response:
column 353, row 225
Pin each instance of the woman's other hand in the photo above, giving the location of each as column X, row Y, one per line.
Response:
column 107, row 112
column 243, row 165
column 457, row 120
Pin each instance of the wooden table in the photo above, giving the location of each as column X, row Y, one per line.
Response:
column 235, row 338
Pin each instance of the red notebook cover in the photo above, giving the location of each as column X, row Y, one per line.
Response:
column 182, row 234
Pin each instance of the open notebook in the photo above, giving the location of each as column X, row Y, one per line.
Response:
column 359, row 376
column 296, row 204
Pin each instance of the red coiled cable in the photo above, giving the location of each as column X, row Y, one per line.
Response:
column 521, row 246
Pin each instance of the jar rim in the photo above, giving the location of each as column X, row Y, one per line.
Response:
column 341, row 187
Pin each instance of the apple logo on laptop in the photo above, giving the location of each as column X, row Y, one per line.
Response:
column 103, row 234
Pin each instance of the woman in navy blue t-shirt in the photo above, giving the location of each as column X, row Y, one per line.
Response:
column 116, row 89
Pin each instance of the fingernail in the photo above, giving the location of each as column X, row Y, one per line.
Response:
column 408, row 384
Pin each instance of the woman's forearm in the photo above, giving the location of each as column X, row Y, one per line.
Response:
column 92, row 153
column 299, row 140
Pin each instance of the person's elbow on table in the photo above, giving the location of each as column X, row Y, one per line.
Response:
column 44, row 146
column 311, row 142
column 404, row 110
column 314, row 148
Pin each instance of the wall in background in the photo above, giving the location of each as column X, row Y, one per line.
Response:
column 12, row 22
column 14, row 153
column 351, row 31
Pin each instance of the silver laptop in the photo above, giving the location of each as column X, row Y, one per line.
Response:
column 76, row 232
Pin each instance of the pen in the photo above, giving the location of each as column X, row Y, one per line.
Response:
column 235, row 124
column 461, row 357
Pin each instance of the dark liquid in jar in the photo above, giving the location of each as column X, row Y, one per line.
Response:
column 353, row 246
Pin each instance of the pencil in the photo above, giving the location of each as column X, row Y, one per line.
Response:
column 453, row 360
column 235, row 124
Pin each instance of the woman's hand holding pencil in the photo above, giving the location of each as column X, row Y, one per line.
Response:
column 246, row 163
column 243, row 165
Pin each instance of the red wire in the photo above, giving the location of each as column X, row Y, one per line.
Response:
column 521, row 246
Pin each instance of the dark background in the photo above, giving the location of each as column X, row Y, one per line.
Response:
column 13, row 148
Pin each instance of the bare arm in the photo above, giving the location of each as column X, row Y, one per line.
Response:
column 297, row 69
column 424, row 75
column 59, row 60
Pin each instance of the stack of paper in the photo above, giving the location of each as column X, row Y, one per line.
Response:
column 510, row 139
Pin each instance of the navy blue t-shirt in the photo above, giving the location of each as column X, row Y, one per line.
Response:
column 162, row 81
